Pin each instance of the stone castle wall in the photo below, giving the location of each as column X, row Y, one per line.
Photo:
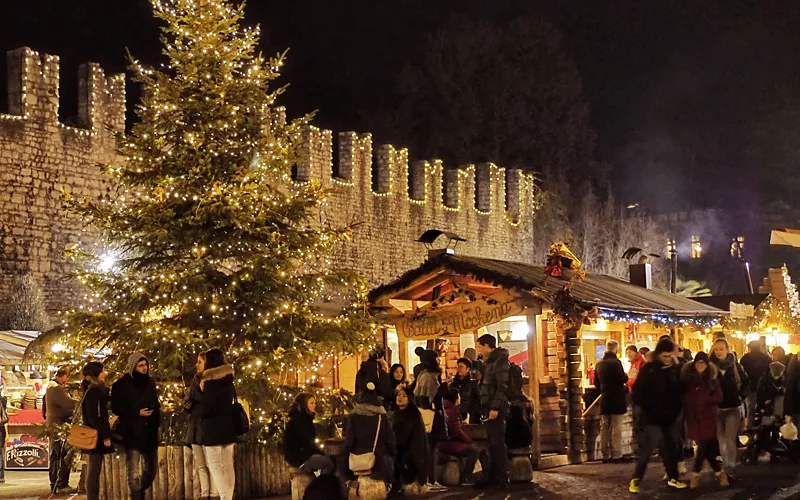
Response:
column 39, row 156
column 390, row 200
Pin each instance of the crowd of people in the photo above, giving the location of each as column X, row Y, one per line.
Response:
column 134, row 402
column 684, row 405
column 408, row 421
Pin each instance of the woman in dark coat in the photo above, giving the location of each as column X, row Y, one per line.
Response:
column 216, row 421
column 94, row 411
column 701, row 396
column 409, row 432
column 367, row 420
column 299, row 439
column 194, row 434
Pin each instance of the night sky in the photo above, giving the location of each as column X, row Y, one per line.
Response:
column 694, row 103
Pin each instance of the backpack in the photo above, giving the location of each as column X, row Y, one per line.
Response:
column 514, row 382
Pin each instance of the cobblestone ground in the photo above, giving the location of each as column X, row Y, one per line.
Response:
column 597, row 481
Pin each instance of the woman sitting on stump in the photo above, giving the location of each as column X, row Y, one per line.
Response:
column 367, row 421
column 299, row 440
column 458, row 443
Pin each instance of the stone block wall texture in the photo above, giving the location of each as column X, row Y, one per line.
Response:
column 39, row 156
column 390, row 201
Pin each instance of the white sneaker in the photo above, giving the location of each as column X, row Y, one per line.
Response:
column 437, row 487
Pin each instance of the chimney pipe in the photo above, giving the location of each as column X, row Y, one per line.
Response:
column 641, row 275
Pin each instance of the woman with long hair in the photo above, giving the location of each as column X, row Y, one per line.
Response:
column 398, row 378
column 734, row 382
column 701, row 396
column 94, row 411
column 194, row 433
column 216, row 421
column 428, row 381
column 299, row 440
column 409, row 432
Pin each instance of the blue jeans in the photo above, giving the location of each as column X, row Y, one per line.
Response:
column 140, row 480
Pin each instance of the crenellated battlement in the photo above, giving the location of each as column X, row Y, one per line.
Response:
column 507, row 195
column 389, row 201
column 33, row 94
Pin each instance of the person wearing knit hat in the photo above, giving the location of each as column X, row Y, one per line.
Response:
column 657, row 392
column 368, row 430
column 701, row 396
column 134, row 400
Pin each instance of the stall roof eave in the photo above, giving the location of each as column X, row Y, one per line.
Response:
column 605, row 292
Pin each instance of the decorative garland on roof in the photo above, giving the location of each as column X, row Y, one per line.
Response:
column 658, row 319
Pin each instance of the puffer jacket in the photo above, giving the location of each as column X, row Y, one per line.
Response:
column 494, row 386
column 458, row 440
column 701, row 397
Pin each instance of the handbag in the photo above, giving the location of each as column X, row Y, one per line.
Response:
column 241, row 422
column 363, row 462
column 82, row 436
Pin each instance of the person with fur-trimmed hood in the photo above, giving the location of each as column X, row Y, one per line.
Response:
column 702, row 394
column 134, row 400
column 216, row 421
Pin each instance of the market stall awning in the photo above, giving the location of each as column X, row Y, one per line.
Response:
column 605, row 292
column 13, row 344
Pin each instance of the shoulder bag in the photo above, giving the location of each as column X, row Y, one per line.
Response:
column 81, row 436
column 241, row 422
column 364, row 462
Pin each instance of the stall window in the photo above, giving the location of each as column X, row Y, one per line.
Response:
column 393, row 345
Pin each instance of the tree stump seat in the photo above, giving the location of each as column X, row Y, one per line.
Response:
column 300, row 481
column 448, row 470
column 520, row 469
column 365, row 487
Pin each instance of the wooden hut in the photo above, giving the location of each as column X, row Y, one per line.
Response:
column 555, row 327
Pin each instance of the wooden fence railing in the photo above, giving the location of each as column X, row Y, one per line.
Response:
column 260, row 472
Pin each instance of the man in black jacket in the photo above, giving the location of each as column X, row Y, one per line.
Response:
column 610, row 379
column 470, row 404
column 135, row 401
column 496, row 407
column 755, row 364
column 657, row 392
column 58, row 409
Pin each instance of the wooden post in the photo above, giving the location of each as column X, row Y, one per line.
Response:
column 403, row 346
column 534, row 359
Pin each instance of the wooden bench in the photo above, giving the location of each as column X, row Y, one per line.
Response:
column 520, row 468
column 300, row 481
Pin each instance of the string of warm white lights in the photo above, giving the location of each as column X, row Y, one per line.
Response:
column 208, row 242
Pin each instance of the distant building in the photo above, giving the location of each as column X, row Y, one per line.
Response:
column 714, row 244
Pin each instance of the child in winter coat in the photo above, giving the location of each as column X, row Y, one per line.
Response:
column 701, row 397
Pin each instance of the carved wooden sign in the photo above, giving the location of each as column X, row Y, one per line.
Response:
column 430, row 323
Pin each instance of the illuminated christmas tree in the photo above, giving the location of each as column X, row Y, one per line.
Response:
column 209, row 243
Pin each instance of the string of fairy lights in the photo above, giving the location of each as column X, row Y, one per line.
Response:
column 211, row 248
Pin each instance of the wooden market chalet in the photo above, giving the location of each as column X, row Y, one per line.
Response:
column 554, row 320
